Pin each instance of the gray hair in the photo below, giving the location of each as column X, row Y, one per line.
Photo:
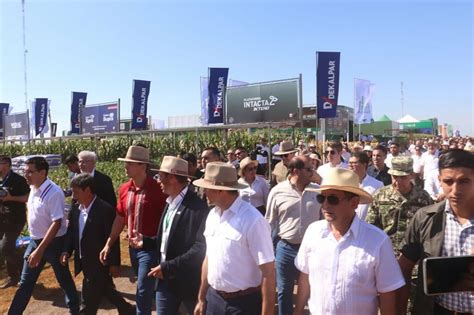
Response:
column 87, row 154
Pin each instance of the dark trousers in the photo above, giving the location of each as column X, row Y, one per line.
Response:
column 243, row 305
column 99, row 286
column 167, row 303
column 29, row 276
column 8, row 235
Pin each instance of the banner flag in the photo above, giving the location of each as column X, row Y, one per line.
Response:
column 39, row 115
column 141, row 90
column 327, row 78
column 78, row 102
column 216, row 90
column 204, row 100
column 363, row 93
column 3, row 111
column 16, row 126
column 100, row 118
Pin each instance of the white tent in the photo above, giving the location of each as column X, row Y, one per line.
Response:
column 408, row 119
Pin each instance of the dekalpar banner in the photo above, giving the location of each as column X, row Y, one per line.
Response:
column 275, row 101
column 216, row 90
column 100, row 118
column 141, row 90
column 327, row 83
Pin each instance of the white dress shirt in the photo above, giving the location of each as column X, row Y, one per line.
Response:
column 429, row 162
column 45, row 205
column 370, row 185
column 323, row 169
column 173, row 205
column 83, row 215
column 432, row 185
column 238, row 241
column 345, row 276
column 256, row 193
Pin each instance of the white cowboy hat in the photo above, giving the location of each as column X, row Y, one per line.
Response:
column 173, row 165
column 137, row 154
column 219, row 176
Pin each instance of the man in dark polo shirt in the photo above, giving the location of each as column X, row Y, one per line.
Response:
column 378, row 169
column 15, row 192
column 140, row 206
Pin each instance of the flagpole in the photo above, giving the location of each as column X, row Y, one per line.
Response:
column 24, row 54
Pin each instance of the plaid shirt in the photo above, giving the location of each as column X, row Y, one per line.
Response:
column 458, row 241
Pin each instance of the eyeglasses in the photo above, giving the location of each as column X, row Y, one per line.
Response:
column 331, row 152
column 332, row 200
column 237, row 152
column 159, row 177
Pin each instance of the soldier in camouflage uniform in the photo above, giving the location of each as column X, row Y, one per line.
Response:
column 394, row 205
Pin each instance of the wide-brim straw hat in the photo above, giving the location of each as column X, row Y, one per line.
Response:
column 345, row 180
column 220, row 176
column 173, row 165
column 286, row 147
column 137, row 154
column 246, row 162
column 368, row 148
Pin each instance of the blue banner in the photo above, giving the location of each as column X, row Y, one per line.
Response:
column 41, row 115
column 141, row 90
column 204, row 100
column 217, row 87
column 16, row 126
column 78, row 102
column 3, row 111
column 327, row 78
column 100, row 118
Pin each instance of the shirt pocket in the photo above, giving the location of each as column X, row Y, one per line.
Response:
column 361, row 272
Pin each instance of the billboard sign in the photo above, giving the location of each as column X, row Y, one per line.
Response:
column 275, row 101
column 100, row 118
column 16, row 126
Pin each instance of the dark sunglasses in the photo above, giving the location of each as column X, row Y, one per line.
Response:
column 331, row 152
column 332, row 200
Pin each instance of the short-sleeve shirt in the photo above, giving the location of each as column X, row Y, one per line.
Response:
column 370, row 185
column 15, row 212
column 45, row 205
column 238, row 241
column 256, row 193
column 345, row 276
column 154, row 202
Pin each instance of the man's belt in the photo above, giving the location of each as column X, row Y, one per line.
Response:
column 291, row 244
column 440, row 310
column 233, row 295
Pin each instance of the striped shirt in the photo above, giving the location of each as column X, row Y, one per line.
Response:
column 458, row 241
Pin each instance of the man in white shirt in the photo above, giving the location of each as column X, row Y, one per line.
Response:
column 394, row 151
column 238, row 272
column 47, row 225
column 334, row 155
column 290, row 210
column 358, row 163
column 347, row 266
column 429, row 159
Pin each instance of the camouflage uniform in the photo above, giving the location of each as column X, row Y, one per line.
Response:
column 391, row 211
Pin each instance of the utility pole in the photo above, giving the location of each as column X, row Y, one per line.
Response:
column 402, row 99
column 25, row 51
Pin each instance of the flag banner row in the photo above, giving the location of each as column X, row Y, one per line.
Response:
column 363, row 93
column 141, row 90
column 39, row 115
column 327, row 86
column 78, row 102
column 100, row 118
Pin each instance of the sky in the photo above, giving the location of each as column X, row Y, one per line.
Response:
column 99, row 47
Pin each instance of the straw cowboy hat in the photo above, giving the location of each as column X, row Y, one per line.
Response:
column 345, row 180
column 219, row 176
column 286, row 147
column 173, row 165
column 246, row 162
column 137, row 154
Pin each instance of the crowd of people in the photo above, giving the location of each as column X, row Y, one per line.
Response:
column 215, row 234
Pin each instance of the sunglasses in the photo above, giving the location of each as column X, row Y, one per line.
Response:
column 331, row 152
column 250, row 169
column 332, row 200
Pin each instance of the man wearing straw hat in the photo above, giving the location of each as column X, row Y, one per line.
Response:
column 290, row 210
column 180, row 240
column 238, row 272
column 140, row 205
column 347, row 265
column 286, row 152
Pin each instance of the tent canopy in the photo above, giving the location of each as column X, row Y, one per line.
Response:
column 408, row 119
column 384, row 118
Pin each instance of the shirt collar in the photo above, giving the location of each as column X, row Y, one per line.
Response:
column 234, row 207
column 81, row 207
column 353, row 229
column 174, row 202
column 43, row 186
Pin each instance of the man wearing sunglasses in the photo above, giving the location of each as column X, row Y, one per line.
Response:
column 395, row 205
column 347, row 266
column 334, row 157
column 290, row 210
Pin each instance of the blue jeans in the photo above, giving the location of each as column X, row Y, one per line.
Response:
column 287, row 274
column 168, row 303
column 142, row 262
column 29, row 276
column 243, row 305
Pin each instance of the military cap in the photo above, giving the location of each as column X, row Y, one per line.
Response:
column 401, row 166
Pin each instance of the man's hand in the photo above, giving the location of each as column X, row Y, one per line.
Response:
column 64, row 258
column 35, row 258
column 7, row 197
column 103, row 254
column 200, row 308
column 136, row 241
column 156, row 272
column 114, row 271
